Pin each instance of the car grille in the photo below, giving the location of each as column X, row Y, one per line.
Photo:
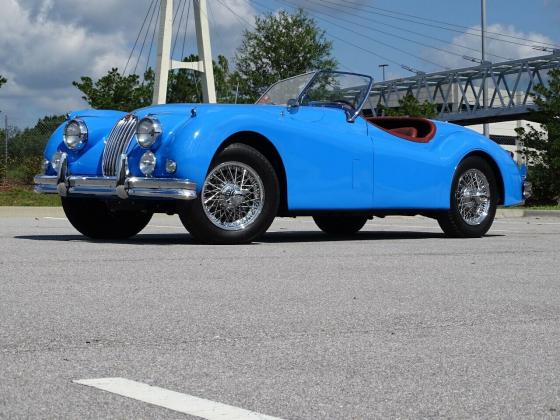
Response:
column 117, row 143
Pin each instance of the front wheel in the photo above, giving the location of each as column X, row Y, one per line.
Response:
column 94, row 219
column 239, row 198
column 340, row 225
column 474, row 198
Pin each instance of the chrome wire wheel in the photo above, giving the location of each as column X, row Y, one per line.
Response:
column 233, row 196
column 473, row 197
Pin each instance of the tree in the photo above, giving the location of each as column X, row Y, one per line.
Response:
column 541, row 146
column 3, row 80
column 281, row 46
column 409, row 106
column 186, row 85
column 125, row 93
column 116, row 91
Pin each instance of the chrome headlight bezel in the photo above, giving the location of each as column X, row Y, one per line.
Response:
column 148, row 131
column 76, row 141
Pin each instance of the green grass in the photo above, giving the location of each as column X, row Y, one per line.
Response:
column 21, row 196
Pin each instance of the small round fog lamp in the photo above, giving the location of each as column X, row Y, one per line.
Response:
column 148, row 163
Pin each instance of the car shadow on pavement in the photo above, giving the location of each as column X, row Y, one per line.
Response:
column 268, row 238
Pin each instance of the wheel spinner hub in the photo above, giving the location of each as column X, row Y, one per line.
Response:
column 232, row 196
column 473, row 197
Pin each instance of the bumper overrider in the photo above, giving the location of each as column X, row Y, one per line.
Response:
column 122, row 186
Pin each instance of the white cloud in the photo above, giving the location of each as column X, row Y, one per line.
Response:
column 47, row 44
column 497, row 49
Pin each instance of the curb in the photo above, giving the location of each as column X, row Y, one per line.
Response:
column 9, row 211
column 518, row 212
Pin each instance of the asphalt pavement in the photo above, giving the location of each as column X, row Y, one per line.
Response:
column 396, row 322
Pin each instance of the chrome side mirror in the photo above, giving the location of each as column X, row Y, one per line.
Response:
column 292, row 105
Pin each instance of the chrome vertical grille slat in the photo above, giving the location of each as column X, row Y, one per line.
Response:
column 117, row 143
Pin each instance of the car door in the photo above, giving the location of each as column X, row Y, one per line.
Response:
column 407, row 174
column 328, row 160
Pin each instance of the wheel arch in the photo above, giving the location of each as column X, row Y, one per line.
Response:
column 267, row 148
column 495, row 168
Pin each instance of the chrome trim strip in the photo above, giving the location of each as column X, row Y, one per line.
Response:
column 167, row 188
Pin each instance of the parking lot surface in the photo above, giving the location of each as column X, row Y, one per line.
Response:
column 397, row 321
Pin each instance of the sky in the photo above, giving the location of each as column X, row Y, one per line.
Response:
column 45, row 45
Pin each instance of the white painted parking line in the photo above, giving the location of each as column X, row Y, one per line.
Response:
column 172, row 400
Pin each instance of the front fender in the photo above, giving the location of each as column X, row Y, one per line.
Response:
column 195, row 144
column 87, row 160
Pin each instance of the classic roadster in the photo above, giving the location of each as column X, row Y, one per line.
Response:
column 305, row 148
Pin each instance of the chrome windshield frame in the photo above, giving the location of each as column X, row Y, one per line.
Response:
column 351, row 117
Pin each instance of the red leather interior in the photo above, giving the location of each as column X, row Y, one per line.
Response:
column 419, row 130
column 405, row 131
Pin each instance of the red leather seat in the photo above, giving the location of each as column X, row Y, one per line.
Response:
column 405, row 131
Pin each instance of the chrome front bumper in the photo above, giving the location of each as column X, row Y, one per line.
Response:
column 121, row 186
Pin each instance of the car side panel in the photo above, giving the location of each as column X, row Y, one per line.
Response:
column 328, row 161
column 419, row 175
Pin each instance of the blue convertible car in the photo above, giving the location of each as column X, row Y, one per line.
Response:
column 305, row 148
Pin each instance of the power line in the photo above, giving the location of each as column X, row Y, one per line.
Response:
column 390, row 34
column 400, row 28
column 450, row 29
column 146, row 37
column 371, row 39
column 138, row 37
column 186, row 31
column 184, row 3
column 446, row 23
column 345, row 41
column 151, row 46
column 241, row 18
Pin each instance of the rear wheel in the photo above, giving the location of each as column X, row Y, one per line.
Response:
column 474, row 198
column 340, row 225
column 93, row 218
column 239, row 198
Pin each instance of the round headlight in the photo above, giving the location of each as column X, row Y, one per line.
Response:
column 75, row 135
column 148, row 131
column 148, row 163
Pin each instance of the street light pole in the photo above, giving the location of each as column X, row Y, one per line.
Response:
column 486, row 126
column 383, row 67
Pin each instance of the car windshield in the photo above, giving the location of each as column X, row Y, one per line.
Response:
column 284, row 90
column 337, row 89
column 324, row 88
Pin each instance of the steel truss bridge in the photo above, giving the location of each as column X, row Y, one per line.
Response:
column 458, row 94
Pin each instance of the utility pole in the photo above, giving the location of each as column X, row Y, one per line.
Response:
column 6, row 149
column 486, row 126
column 165, row 62
column 383, row 67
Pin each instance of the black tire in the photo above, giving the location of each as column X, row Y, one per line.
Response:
column 196, row 220
column 451, row 221
column 340, row 225
column 92, row 218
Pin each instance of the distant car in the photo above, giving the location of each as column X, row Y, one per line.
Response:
column 304, row 148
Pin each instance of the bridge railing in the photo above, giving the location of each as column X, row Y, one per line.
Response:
column 458, row 94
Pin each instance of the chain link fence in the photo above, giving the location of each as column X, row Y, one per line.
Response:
column 21, row 150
